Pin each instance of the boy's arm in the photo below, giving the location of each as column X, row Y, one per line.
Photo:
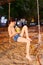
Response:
column 13, row 33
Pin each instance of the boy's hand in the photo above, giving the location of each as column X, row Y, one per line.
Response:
column 17, row 30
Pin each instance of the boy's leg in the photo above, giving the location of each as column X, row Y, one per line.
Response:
column 22, row 32
column 27, row 50
column 25, row 29
column 20, row 39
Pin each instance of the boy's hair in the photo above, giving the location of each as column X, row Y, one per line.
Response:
column 12, row 20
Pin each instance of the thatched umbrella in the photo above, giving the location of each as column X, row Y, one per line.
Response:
column 2, row 2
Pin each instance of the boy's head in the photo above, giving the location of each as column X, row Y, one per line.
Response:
column 12, row 21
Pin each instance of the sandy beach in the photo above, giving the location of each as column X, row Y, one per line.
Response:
column 13, row 53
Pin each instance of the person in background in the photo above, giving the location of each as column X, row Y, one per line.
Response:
column 24, row 21
column 18, row 36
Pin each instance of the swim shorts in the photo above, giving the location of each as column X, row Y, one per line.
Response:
column 16, row 37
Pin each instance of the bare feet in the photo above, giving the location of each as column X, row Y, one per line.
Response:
column 29, row 58
column 29, row 39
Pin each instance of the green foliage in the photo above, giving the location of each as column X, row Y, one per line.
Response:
column 23, row 8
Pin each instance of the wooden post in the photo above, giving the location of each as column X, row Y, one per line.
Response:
column 39, row 36
column 9, row 10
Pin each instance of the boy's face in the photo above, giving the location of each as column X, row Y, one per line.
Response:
column 14, row 23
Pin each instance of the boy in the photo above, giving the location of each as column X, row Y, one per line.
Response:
column 18, row 36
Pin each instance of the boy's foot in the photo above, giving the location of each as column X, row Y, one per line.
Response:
column 28, row 57
column 29, row 39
